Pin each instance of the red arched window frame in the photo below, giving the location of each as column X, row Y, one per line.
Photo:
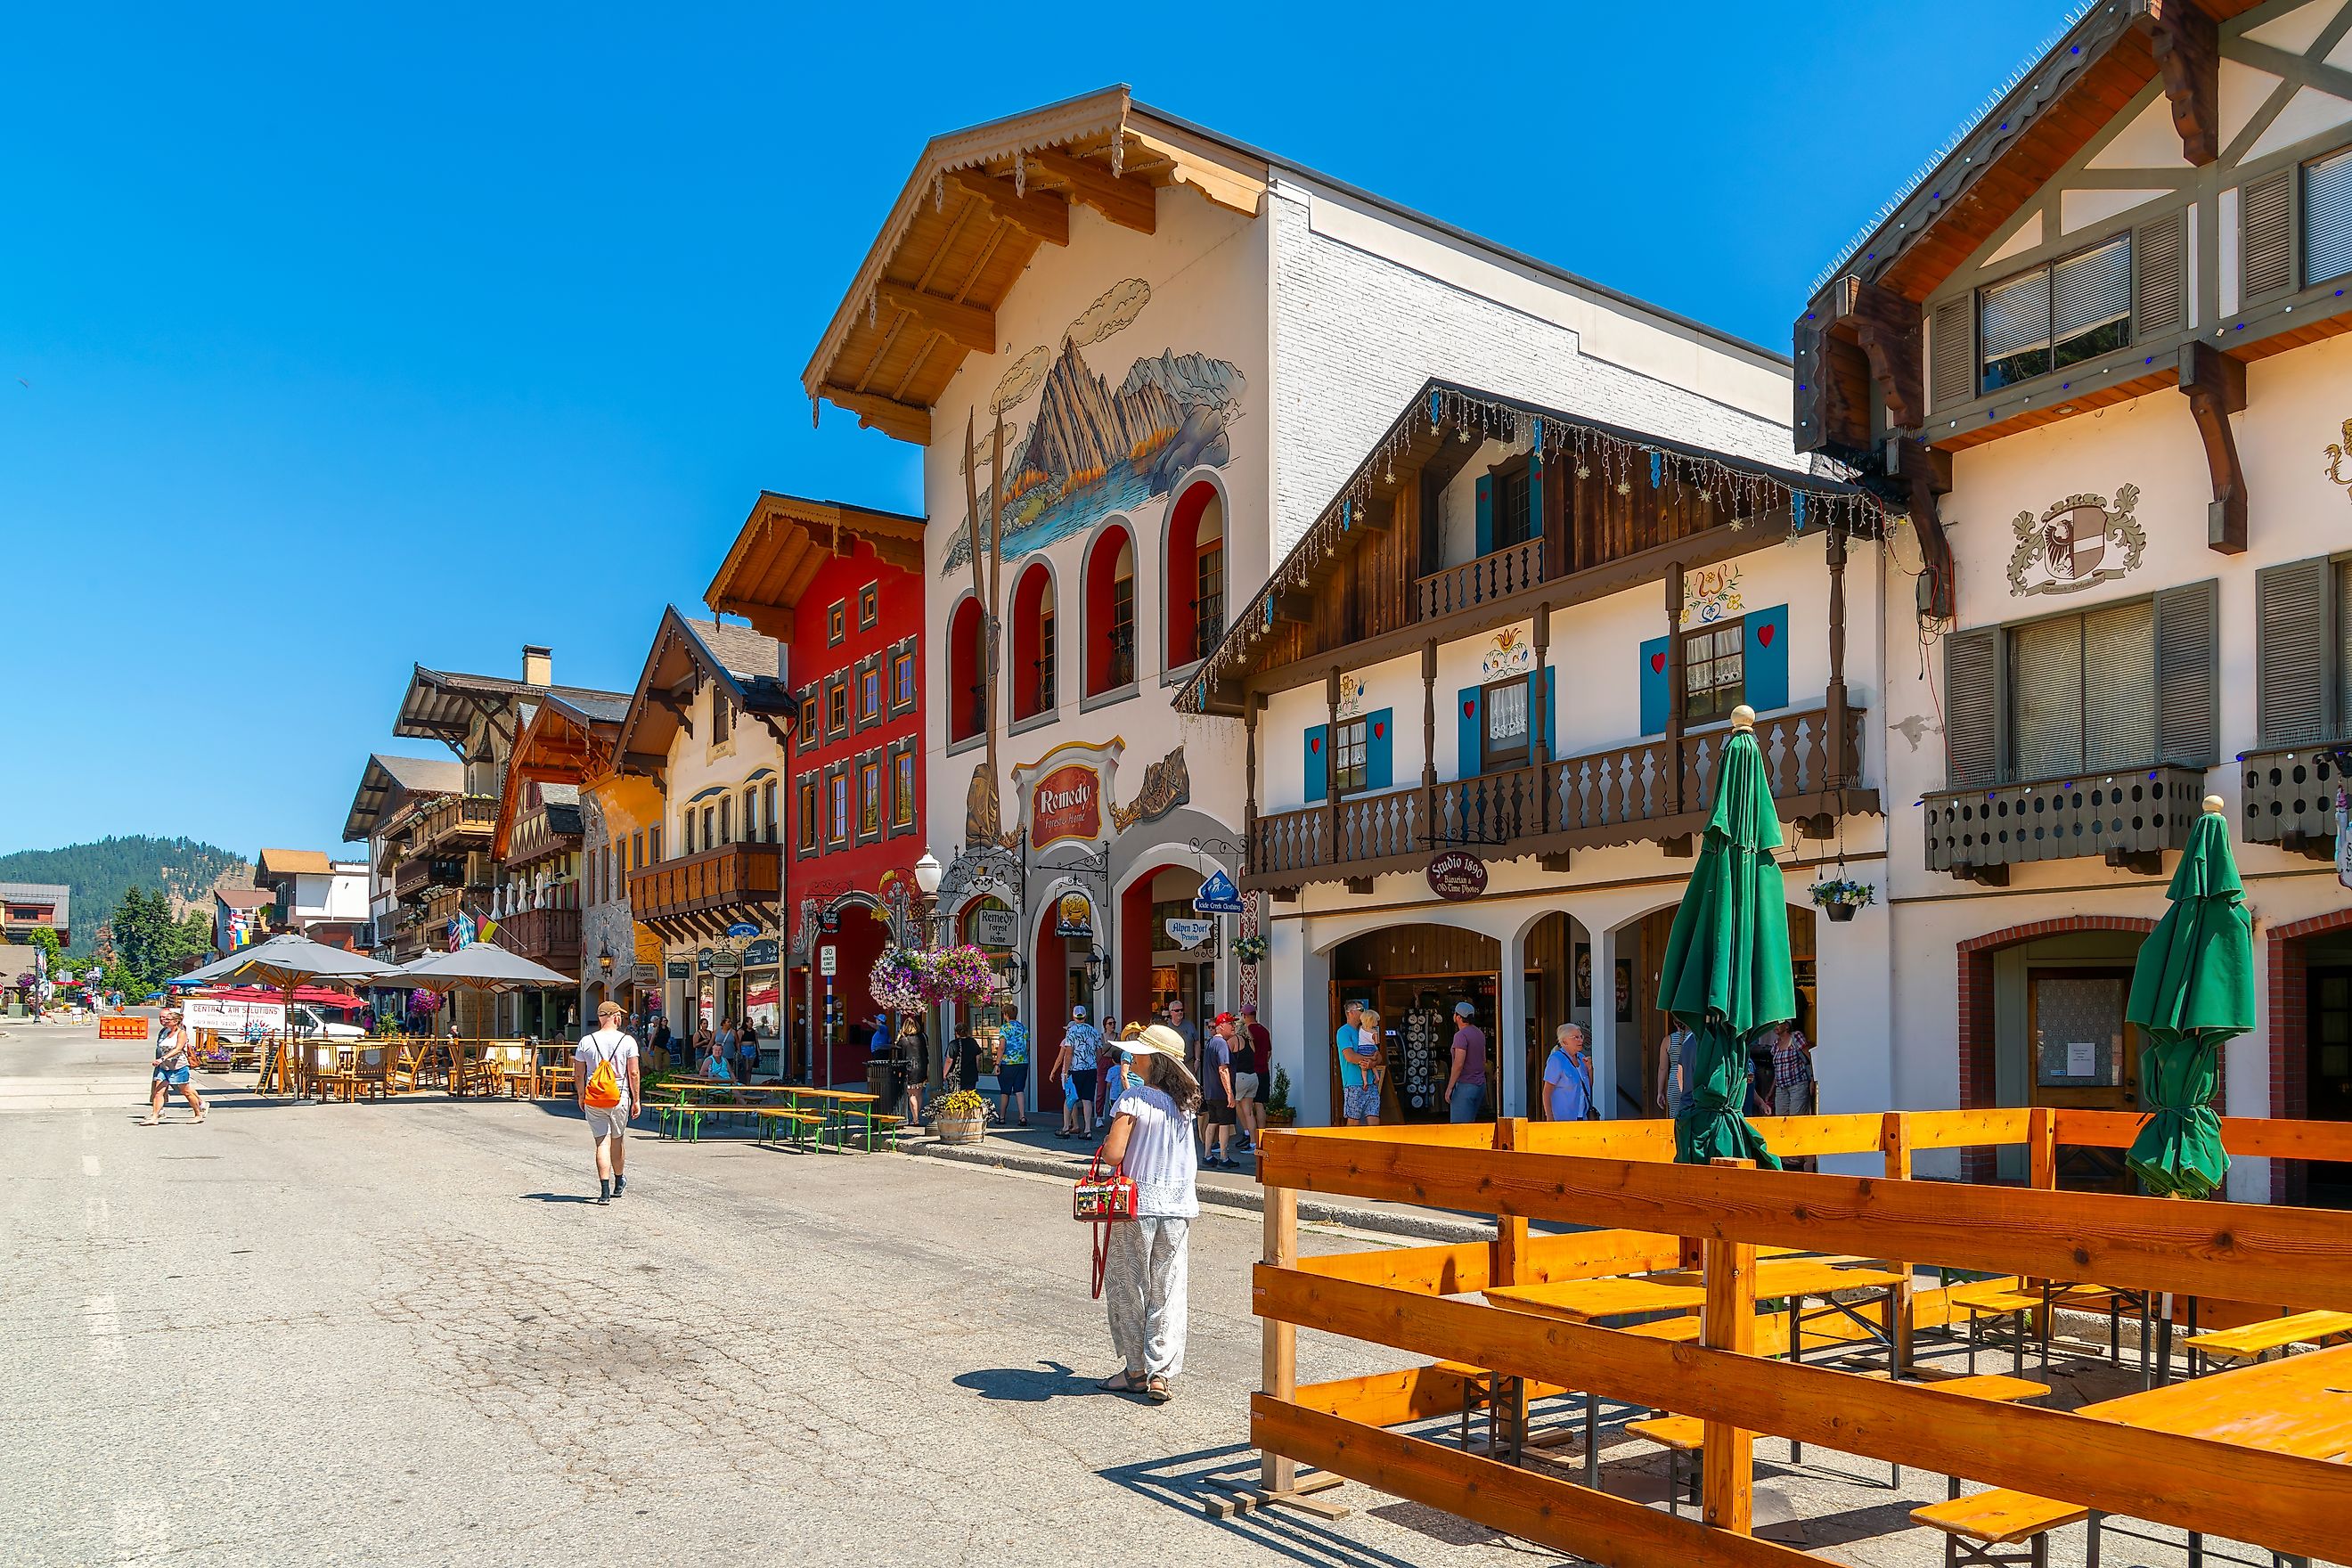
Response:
column 1110, row 612
column 1196, row 578
column 965, row 693
column 1035, row 677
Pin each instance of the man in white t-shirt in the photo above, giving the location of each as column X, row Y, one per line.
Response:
column 615, row 1047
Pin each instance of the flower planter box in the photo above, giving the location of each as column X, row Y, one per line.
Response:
column 962, row 1129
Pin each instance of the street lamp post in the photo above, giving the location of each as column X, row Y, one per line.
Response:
column 927, row 872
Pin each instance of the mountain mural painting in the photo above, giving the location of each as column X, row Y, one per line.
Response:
column 1091, row 449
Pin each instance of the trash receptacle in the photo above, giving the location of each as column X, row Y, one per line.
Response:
column 882, row 1080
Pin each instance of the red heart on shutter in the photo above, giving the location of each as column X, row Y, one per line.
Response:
column 1764, row 635
column 1658, row 663
column 1314, row 743
column 1470, row 709
column 1379, row 729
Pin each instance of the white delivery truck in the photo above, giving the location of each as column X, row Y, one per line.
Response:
column 236, row 1020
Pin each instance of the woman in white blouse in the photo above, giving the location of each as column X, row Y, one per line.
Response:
column 1151, row 1140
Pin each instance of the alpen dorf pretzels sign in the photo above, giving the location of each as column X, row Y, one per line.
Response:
column 1457, row 874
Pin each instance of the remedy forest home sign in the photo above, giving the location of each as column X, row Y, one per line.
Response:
column 1064, row 793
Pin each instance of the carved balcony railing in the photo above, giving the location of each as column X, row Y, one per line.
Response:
column 547, row 936
column 459, row 817
column 1494, row 575
column 702, row 892
column 2129, row 817
column 2287, row 797
column 1621, row 795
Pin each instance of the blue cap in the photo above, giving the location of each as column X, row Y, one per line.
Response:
column 1078, row 1012
column 1464, row 1010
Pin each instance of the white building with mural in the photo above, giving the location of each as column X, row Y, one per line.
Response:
column 2099, row 345
column 1163, row 351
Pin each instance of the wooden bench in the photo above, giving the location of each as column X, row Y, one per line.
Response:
column 1996, row 1299
column 1684, row 1439
column 775, row 1124
column 1973, row 1526
column 2255, row 1341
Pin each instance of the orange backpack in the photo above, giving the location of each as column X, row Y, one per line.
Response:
column 603, row 1090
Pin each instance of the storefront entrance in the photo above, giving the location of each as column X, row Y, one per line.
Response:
column 1634, row 991
column 2327, row 1077
column 1155, row 967
column 1414, row 976
column 2082, row 1056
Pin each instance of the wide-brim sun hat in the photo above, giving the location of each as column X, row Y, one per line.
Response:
column 1156, row 1040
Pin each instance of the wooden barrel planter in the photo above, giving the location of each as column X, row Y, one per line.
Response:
column 962, row 1129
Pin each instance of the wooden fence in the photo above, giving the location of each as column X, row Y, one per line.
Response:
column 1619, row 1176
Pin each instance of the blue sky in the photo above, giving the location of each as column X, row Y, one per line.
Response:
column 330, row 344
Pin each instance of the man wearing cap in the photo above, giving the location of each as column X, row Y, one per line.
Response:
column 1466, row 1085
column 1217, row 1094
column 1080, row 1041
column 1360, row 1090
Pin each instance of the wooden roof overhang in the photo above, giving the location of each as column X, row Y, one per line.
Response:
column 679, row 663
column 784, row 543
column 978, row 205
column 559, row 745
column 1270, row 646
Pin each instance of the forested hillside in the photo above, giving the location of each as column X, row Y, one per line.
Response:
column 100, row 873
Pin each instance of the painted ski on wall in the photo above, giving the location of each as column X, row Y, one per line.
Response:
column 1090, row 448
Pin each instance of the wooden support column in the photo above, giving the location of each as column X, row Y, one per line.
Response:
column 1252, row 705
column 1728, row 1468
column 1277, row 1474
column 1539, row 743
column 1835, row 748
column 1925, row 473
column 1331, row 767
column 1675, row 676
column 2215, row 385
column 2187, row 43
column 1894, row 1146
column 1429, row 738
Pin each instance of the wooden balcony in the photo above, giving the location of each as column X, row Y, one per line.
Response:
column 459, row 820
column 2287, row 797
column 1626, row 794
column 2128, row 817
column 699, row 894
column 547, row 936
column 418, row 872
column 1494, row 575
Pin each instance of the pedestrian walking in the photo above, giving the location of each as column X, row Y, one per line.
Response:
column 1568, row 1077
column 1677, row 1070
column 1080, row 1042
column 1190, row 1032
column 963, row 1051
column 605, row 1076
column 1795, row 1090
column 658, row 1041
column 728, row 1039
column 174, row 1051
column 1217, row 1093
column 748, row 1040
column 1144, row 1279
column 1360, row 1085
column 1013, row 1068
column 1465, row 1081
column 1248, row 1062
column 914, row 1053
column 1109, row 1080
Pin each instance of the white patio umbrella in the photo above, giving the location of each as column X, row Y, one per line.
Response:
column 481, row 966
column 286, row 962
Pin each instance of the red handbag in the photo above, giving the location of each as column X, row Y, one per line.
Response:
column 1102, row 1199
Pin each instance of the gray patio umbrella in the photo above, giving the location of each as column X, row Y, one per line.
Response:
column 481, row 966
column 286, row 962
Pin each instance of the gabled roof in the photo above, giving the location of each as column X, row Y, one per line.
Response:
column 441, row 706
column 1725, row 486
column 788, row 539
column 566, row 741
column 388, row 783
column 245, row 898
column 2022, row 137
column 290, row 862
column 980, row 200
column 686, row 654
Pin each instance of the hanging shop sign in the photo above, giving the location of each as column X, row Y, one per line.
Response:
column 1457, row 874
column 1190, row 932
column 702, row 962
column 680, row 969
column 1074, row 916
column 726, row 960
column 760, row 955
column 1218, row 896
column 994, row 928
column 644, row 973
column 743, row 929
column 1066, row 804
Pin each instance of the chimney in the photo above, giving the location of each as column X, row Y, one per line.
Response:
column 538, row 665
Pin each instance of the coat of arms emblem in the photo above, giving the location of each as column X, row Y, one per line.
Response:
column 2079, row 541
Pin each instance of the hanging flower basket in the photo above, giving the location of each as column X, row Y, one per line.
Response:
column 1250, row 950
column 1840, row 896
column 424, row 1003
column 897, row 980
column 959, row 973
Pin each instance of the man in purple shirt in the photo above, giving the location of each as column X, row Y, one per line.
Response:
column 1466, row 1085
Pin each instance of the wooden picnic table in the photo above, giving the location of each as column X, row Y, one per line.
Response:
column 845, row 1106
column 1584, row 1300
column 2301, row 1404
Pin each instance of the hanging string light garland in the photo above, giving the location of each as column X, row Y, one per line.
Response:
column 1745, row 494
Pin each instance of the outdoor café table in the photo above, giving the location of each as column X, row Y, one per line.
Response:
column 2300, row 1405
column 1584, row 1300
column 1801, row 1278
column 845, row 1107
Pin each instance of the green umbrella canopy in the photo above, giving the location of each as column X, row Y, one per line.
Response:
column 1726, row 973
column 2192, row 989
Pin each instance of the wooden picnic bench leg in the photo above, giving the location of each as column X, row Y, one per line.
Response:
column 1593, row 1440
column 1727, row 1464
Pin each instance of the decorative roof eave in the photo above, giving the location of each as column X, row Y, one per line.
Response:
column 814, row 531
column 559, row 744
column 1814, row 502
column 652, row 704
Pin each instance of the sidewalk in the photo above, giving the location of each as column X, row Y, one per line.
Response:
column 1036, row 1150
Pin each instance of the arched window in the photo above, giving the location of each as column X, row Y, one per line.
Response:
column 1196, row 575
column 967, row 691
column 1110, row 612
column 1034, row 655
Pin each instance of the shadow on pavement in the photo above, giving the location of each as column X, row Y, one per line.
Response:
column 1189, row 1481
column 1032, row 1384
column 557, row 1198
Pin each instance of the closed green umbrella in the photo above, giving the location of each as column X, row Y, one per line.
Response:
column 1727, row 973
column 2192, row 989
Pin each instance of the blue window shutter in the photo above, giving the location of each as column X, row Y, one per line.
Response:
column 1485, row 513
column 1655, row 695
column 1379, row 735
column 1551, row 746
column 1535, row 498
column 1472, row 730
column 1767, row 658
column 1319, row 749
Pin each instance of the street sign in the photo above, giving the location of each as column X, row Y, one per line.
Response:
column 1218, row 896
column 827, row 960
column 743, row 929
column 994, row 928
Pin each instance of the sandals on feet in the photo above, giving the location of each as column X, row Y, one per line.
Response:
column 1157, row 1387
column 1121, row 1381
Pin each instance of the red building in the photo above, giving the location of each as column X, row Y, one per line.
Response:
column 841, row 586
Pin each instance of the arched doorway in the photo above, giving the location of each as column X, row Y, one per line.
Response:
column 846, row 1008
column 1155, row 966
column 2311, row 1048
column 1060, row 969
column 1641, row 1027
column 1413, row 974
column 1558, row 990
